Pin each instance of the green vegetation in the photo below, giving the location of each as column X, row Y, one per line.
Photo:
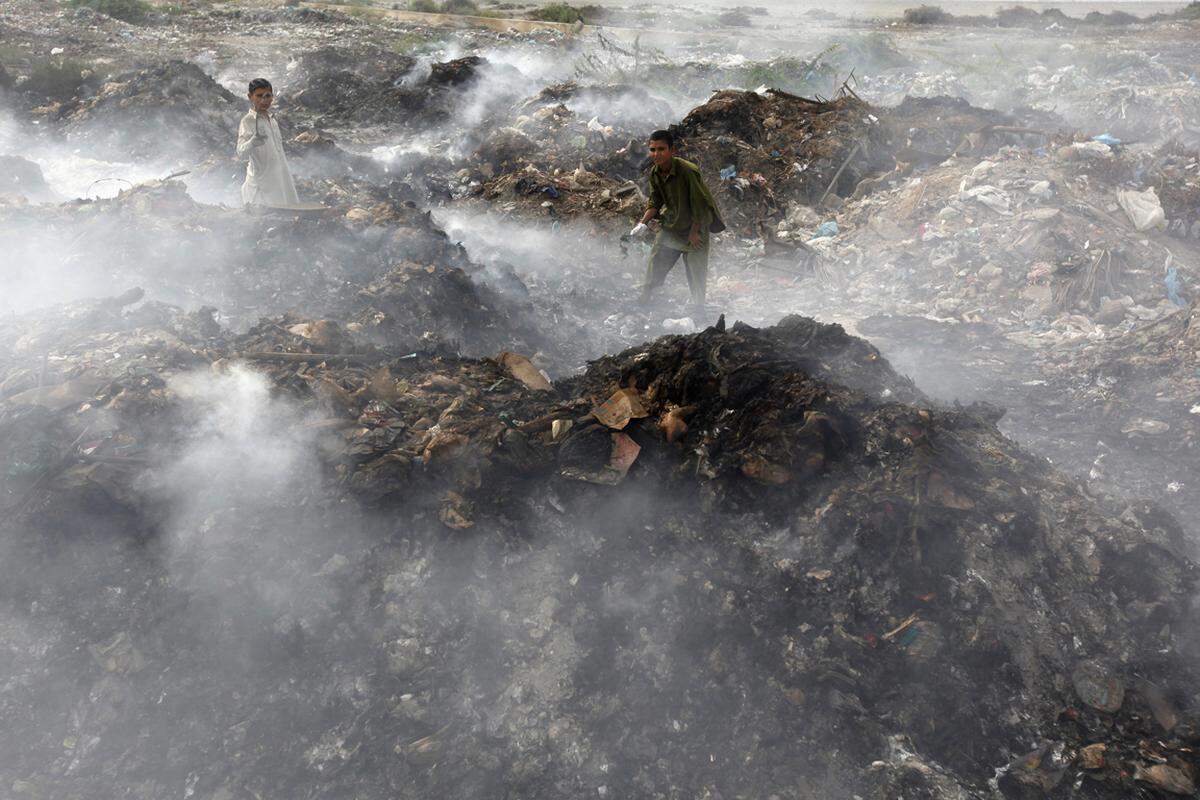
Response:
column 568, row 14
column 467, row 7
column 56, row 79
column 132, row 11
column 789, row 73
column 413, row 43
column 866, row 52
column 1190, row 11
column 735, row 18
column 926, row 15
column 557, row 12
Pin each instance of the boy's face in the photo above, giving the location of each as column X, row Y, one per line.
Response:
column 260, row 100
column 661, row 153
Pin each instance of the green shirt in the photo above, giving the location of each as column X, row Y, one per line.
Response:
column 686, row 198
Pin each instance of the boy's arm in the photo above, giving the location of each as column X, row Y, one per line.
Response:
column 248, row 138
column 654, row 203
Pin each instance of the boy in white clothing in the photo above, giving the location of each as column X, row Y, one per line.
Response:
column 268, row 180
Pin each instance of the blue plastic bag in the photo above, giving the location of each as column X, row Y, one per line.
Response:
column 1174, row 284
column 829, row 228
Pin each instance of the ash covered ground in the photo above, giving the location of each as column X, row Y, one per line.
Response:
column 410, row 497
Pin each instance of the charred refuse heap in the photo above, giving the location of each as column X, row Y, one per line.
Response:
column 744, row 562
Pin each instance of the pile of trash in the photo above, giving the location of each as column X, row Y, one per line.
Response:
column 1071, row 236
column 1147, row 112
column 569, row 151
column 754, row 149
column 820, row 74
column 764, row 153
column 1135, row 94
column 390, row 93
column 362, row 59
column 625, row 108
column 760, row 149
column 371, row 256
column 127, row 117
column 591, row 197
column 712, row 564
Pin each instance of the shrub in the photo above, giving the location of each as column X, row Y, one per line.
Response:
column 926, row 15
column 1017, row 17
column 57, row 79
column 445, row 7
column 557, row 12
column 133, row 11
column 735, row 19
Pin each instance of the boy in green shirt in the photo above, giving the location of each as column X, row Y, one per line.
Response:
column 688, row 215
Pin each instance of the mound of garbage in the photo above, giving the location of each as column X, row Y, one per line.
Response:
column 751, row 147
column 388, row 91
column 360, row 58
column 1158, row 112
column 372, row 256
column 716, row 564
column 1060, row 240
column 126, row 118
column 764, row 153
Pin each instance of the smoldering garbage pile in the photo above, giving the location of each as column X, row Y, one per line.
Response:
column 1071, row 241
column 744, row 562
column 127, row 117
column 339, row 92
column 752, row 148
column 373, row 260
column 763, row 153
column 553, row 156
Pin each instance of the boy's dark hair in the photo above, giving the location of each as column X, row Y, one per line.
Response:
column 664, row 136
column 259, row 83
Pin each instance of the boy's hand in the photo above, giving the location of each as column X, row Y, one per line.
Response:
column 694, row 238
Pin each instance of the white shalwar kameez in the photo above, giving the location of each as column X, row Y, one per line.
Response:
column 268, row 180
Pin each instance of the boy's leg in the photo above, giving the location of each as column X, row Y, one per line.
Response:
column 662, row 259
column 696, row 263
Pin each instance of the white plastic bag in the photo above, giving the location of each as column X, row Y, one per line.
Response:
column 1143, row 208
